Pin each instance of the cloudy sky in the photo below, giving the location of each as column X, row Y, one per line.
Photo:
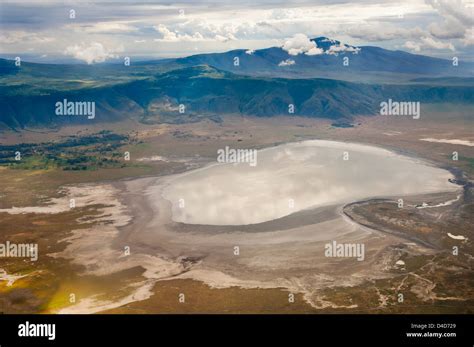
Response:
column 97, row 31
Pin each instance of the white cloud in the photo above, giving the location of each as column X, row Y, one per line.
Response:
column 413, row 46
column 300, row 43
column 206, row 27
column 469, row 37
column 222, row 27
column 280, row 14
column 428, row 43
column 104, row 28
column 286, row 62
column 315, row 51
column 449, row 29
column 458, row 20
column 92, row 53
column 224, row 38
column 172, row 36
column 455, row 9
column 195, row 30
column 342, row 48
column 18, row 36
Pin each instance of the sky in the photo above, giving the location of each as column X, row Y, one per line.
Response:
column 98, row 31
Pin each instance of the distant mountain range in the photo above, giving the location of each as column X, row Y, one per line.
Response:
column 210, row 85
column 365, row 63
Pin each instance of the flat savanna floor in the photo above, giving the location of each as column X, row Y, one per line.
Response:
column 51, row 280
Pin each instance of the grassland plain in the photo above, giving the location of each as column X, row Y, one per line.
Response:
column 439, row 283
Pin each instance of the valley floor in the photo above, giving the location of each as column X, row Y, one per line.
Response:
column 74, row 272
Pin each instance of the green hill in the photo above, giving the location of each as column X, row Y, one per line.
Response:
column 153, row 93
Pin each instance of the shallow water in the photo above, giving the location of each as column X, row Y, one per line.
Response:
column 298, row 176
